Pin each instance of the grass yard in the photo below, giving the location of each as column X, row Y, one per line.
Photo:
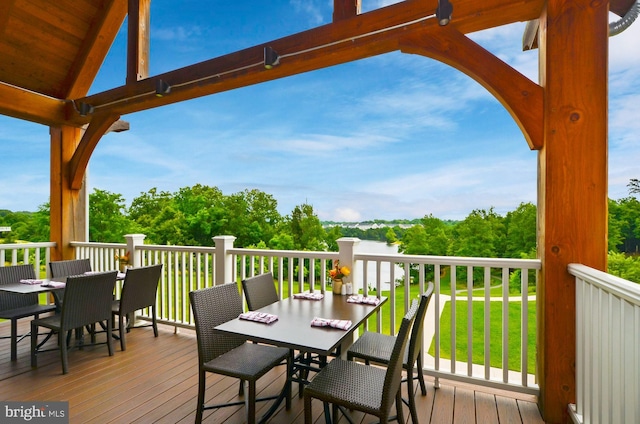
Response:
column 495, row 332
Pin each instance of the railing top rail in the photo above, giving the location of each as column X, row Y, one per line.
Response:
column 29, row 245
column 620, row 287
column 279, row 253
column 94, row 244
column 173, row 248
column 452, row 260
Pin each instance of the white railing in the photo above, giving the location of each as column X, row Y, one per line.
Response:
column 607, row 348
column 484, row 304
column 38, row 254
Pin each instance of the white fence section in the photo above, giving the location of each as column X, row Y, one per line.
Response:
column 491, row 296
column 38, row 254
column 607, row 348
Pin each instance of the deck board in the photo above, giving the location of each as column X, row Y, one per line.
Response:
column 155, row 380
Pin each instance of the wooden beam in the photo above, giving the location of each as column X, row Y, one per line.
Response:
column 94, row 49
column 518, row 94
column 100, row 124
column 572, row 184
column 138, row 40
column 351, row 39
column 23, row 104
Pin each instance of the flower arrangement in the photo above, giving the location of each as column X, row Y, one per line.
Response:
column 123, row 259
column 339, row 272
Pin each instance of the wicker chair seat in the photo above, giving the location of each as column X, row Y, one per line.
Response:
column 337, row 384
column 248, row 361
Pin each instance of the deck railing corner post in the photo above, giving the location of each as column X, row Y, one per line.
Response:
column 133, row 241
column 223, row 260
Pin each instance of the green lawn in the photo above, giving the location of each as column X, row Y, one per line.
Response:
column 495, row 331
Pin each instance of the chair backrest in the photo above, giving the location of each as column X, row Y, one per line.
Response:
column 69, row 267
column 393, row 377
column 260, row 291
column 417, row 331
column 87, row 299
column 211, row 307
column 13, row 274
column 139, row 288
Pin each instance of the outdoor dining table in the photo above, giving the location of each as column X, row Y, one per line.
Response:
column 293, row 330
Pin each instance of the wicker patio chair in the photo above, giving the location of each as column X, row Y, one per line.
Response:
column 354, row 386
column 377, row 348
column 66, row 268
column 138, row 291
column 14, row 306
column 228, row 355
column 259, row 291
column 87, row 300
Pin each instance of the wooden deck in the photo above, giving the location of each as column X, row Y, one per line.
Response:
column 155, row 380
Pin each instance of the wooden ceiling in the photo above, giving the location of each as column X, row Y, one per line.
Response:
column 51, row 51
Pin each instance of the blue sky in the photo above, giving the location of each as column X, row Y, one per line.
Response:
column 394, row 136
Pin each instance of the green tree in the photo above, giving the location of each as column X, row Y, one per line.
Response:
column 146, row 207
column 521, row 231
column 624, row 266
column 107, row 220
column 306, row 229
column 391, row 236
column 624, row 220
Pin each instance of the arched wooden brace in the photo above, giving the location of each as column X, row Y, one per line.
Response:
column 519, row 95
column 98, row 127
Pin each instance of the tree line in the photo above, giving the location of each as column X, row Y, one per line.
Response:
column 192, row 216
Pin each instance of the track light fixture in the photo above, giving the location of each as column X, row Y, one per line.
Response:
column 443, row 12
column 271, row 58
column 162, row 88
column 85, row 109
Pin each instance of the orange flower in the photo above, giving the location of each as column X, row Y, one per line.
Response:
column 123, row 258
column 338, row 272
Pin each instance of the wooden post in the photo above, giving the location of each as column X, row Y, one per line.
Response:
column 343, row 9
column 572, row 183
column 138, row 40
column 67, row 206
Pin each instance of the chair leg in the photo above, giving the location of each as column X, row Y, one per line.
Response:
column 201, row 386
column 154, row 321
column 251, row 404
column 334, row 412
column 109, row 339
column 34, row 344
column 307, row 409
column 14, row 339
column 63, row 353
column 423, row 388
column 123, row 343
column 399, row 411
column 411, row 394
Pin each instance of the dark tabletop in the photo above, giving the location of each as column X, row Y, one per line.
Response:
column 21, row 288
column 293, row 328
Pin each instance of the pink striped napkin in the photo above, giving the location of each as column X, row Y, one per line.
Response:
column 31, row 281
column 364, row 299
column 342, row 324
column 309, row 296
column 258, row 317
